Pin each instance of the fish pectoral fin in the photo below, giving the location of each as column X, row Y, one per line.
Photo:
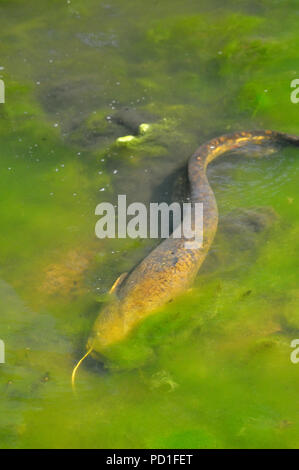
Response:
column 117, row 283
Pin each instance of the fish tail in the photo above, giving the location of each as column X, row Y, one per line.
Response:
column 228, row 142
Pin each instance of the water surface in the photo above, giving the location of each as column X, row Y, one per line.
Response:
column 212, row 370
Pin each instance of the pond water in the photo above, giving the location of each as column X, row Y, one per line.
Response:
column 213, row 369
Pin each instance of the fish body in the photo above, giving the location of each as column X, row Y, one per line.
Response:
column 169, row 269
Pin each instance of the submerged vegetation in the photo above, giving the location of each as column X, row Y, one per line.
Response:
column 213, row 368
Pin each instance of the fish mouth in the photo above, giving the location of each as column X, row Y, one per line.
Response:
column 94, row 346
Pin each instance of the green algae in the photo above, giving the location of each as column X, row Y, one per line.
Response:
column 213, row 368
